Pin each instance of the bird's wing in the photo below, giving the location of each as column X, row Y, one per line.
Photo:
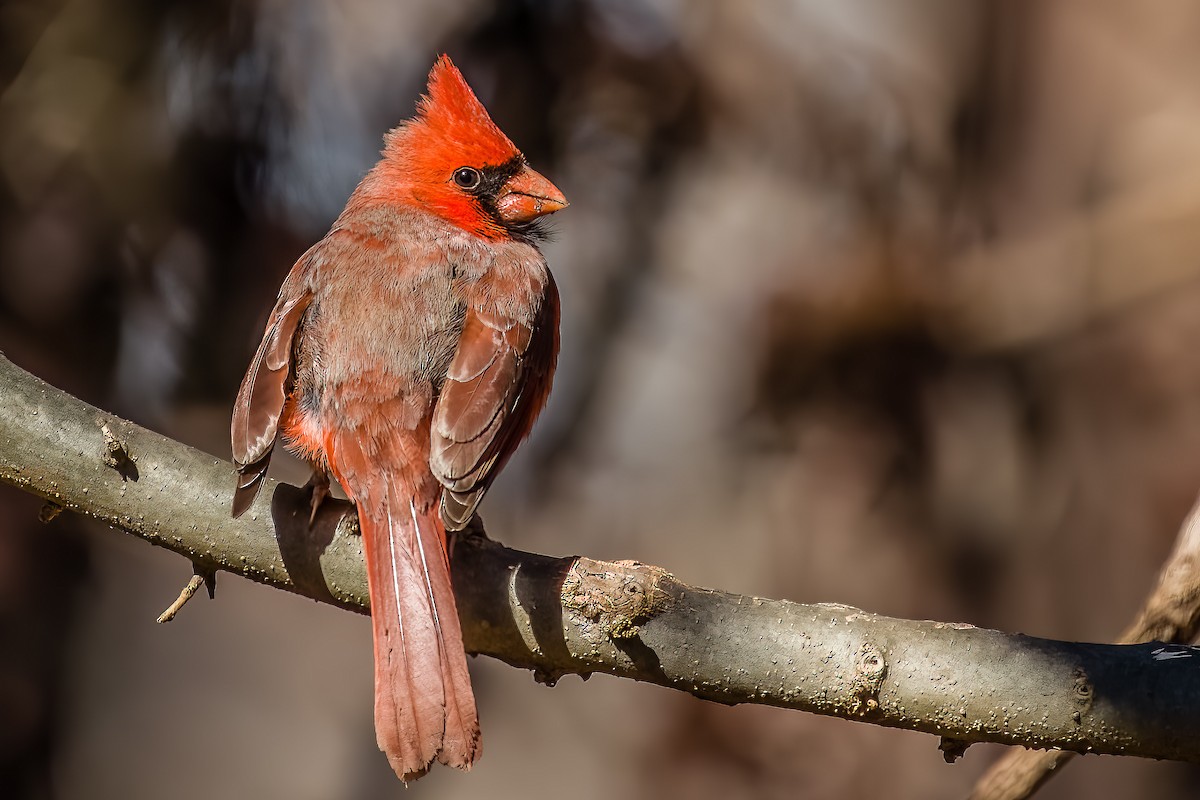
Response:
column 495, row 388
column 264, row 389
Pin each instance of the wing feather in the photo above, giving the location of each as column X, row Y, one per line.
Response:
column 261, row 397
column 495, row 388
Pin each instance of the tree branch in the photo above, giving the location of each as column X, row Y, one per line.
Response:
column 558, row 616
column 1170, row 614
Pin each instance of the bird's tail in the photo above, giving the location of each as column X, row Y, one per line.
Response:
column 424, row 705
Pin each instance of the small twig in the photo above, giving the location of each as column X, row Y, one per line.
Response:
column 1170, row 614
column 202, row 577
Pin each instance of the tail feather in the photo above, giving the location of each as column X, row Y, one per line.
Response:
column 460, row 746
column 424, row 704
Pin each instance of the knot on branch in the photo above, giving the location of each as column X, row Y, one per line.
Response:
column 49, row 512
column 870, row 668
column 1082, row 695
column 115, row 454
column 617, row 596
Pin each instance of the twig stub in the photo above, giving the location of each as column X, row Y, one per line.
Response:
column 115, row 454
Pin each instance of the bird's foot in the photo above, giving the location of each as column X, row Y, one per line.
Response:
column 319, row 484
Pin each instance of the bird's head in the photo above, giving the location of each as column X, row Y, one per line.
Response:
column 453, row 161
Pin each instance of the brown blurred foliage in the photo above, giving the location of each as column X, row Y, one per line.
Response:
column 889, row 304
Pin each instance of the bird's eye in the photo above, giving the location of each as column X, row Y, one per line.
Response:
column 466, row 177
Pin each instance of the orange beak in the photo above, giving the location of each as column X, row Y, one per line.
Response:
column 527, row 196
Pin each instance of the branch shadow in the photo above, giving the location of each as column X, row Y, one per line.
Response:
column 302, row 545
column 513, row 601
column 643, row 656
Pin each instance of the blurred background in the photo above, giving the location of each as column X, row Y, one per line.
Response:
column 893, row 304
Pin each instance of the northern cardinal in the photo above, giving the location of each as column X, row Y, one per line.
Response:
column 408, row 354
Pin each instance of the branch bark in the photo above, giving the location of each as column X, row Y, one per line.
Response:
column 559, row 616
column 1170, row 614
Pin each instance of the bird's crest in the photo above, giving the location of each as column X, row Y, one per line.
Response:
column 452, row 128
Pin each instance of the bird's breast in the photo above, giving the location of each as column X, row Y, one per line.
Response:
column 390, row 297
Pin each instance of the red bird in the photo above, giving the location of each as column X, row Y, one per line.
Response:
column 408, row 354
